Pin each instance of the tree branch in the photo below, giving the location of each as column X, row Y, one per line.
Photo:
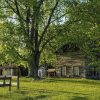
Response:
column 46, row 42
column 14, row 10
column 18, row 11
column 58, row 18
column 48, row 23
column 10, row 6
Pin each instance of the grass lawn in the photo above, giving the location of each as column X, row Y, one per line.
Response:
column 53, row 89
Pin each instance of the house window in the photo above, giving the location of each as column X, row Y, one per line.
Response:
column 64, row 71
column 76, row 71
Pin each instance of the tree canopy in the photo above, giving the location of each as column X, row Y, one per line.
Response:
column 31, row 31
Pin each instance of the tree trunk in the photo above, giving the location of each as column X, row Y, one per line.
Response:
column 36, row 65
column 33, row 66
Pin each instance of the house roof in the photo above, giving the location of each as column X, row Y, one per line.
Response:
column 76, row 59
column 69, row 55
column 67, row 48
column 51, row 70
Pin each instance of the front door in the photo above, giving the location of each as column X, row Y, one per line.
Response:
column 76, row 71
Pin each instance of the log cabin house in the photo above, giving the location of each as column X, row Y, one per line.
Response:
column 70, row 62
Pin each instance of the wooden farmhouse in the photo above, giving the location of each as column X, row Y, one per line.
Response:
column 70, row 62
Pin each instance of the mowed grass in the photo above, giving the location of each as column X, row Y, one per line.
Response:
column 53, row 89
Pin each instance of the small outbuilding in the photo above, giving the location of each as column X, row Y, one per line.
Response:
column 51, row 72
column 41, row 72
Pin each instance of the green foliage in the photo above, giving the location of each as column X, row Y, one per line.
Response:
column 72, row 21
column 84, row 29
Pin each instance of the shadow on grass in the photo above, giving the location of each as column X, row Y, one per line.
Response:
column 42, row 97
column 27, row 98
column 23, row 92
column 58, row 92
column 79, row 98
column 45, row 94
column 41, row 94
column 87, row 81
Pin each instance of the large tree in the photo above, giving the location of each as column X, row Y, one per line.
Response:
column 31, row 20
